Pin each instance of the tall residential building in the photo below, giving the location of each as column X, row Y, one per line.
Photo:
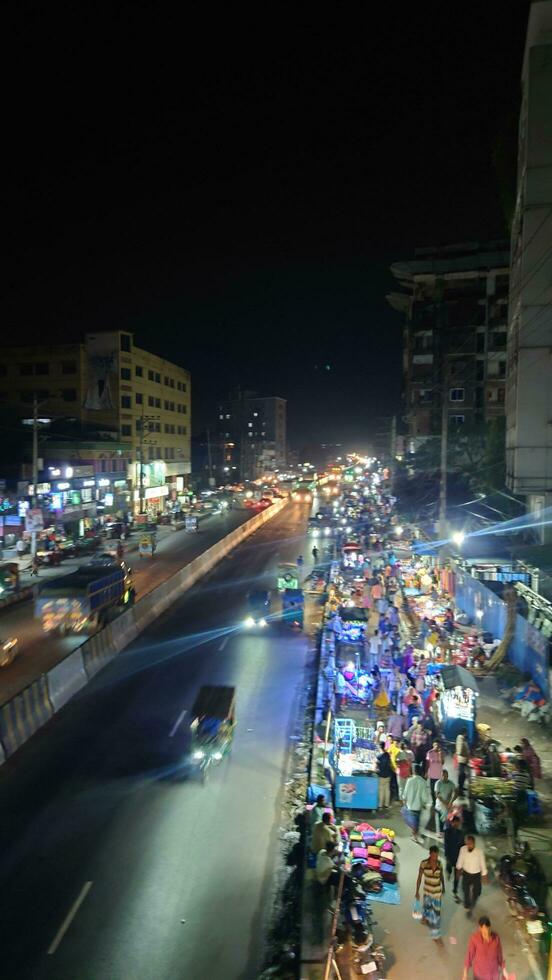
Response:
column 529, row 376
column 251, row 436
column 454, row 302
column 110, row 405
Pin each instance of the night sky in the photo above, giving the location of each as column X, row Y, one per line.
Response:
column 234, row 190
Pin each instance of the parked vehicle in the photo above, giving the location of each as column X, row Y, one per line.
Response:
column 82, row 600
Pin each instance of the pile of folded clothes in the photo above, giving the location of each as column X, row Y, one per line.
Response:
column 371, row 854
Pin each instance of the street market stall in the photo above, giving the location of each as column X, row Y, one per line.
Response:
column 458, row 702
column 354, row 760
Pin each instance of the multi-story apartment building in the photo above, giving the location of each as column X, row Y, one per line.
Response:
column 454, row 301
column 529, row 373
column 120, row 406
column 251, row 435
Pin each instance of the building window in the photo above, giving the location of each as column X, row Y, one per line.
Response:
column 456, row 419
column 158, row 403
column 126, row 430
column 125, row 342
column 69, row 394
column 150, row 375
column 152, row 452
column 501, row 395
column 138, row 425
column 166, row 427
column 499, row 339
column 151, row 401
column 68, row 367
column 156, row 427
column 456, row 394
column 480, row 371
column 502, row 369
column 25, row 369
column 158, row 377
column 480, row 343
column 183, row 386
column 42, row 368
column 126, row 401
column 184, row 430
column 184, row 409
column 125, row 374
column 139, row 398
column 139, row 371
column 166, row 380
column 425, row 396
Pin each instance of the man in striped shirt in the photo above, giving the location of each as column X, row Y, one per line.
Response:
column 431, row 872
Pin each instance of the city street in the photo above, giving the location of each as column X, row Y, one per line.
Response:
column 39, row 651
column 114, row 865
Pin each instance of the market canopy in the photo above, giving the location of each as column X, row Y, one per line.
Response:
column 456, row 676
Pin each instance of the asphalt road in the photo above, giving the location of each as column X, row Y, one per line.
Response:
column 166, row 878
column 39, row 652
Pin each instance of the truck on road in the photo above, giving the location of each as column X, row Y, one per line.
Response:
column 82, row 600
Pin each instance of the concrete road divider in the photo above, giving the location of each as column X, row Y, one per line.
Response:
column 24, row 715
column 99, row 650
column 66, row 679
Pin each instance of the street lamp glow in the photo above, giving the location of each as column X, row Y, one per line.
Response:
column 458, row 538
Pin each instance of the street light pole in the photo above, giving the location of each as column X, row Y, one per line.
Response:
column 142, row 462
column 35, row 468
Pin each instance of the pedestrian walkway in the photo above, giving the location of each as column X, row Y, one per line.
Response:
column 410, row 951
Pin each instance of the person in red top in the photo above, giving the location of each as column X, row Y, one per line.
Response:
column 484, row 954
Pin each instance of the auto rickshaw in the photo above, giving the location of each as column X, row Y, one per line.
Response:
column 212, row 727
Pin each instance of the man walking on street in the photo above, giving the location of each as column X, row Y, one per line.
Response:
column 416, row 797
column 484, row 954
column 431, row 871
column 473, row 868
column 454, row 840
column 462, row 758
column 445, row 793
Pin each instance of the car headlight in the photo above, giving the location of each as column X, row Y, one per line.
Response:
column 217, row 756
column 262, row 622
column 315, row 532
column 199, row 755
column 249, row 622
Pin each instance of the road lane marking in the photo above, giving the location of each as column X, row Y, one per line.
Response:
column 223, row 644
column 69, row 917
column 177, row 723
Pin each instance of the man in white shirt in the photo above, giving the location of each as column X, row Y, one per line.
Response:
column 473, row 868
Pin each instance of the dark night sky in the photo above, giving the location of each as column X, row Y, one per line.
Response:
column 233, row 191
